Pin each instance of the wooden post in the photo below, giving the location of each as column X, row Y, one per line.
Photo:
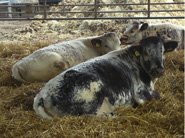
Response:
column 148, row 8
column 95, row 8
column 9, row 10
column 45, row 16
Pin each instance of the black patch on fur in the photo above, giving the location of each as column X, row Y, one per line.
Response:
column 41, row 102
column 135, row 104
column 116, row 79
column 144, row 77
column 64, row 98
column 158, row 34
column 152, row 39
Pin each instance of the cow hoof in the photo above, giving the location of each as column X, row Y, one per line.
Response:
column 112, row 114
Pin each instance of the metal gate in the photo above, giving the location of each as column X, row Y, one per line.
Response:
column 27, row 11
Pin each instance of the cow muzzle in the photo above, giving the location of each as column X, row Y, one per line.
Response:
column 158, row 72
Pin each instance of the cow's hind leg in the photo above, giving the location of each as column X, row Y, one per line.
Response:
column 43, row 67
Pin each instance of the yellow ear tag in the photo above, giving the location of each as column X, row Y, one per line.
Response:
column 137, row 53
column 97, row 45
column 123, row 41
column 169, row 49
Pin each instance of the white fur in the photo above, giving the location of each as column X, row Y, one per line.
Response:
column 135, row 34
column 48, row 62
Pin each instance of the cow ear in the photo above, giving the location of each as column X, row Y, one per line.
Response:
column 96, row 42
column 144, row 26
column 170, row 46
column 136, row 49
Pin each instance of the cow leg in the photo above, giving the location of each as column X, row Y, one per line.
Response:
column 62, row 65
column 135, row 104
column 146, row 95
column 112, row 114
column 105, row 108
column 156, row 95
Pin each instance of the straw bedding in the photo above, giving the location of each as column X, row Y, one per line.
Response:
column 157, row 118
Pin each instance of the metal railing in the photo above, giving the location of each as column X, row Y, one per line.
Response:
column 95, row 12
column 9, row 8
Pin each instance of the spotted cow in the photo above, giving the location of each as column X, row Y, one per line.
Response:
column 102, row 84
column 46, row 63
column 139, row 30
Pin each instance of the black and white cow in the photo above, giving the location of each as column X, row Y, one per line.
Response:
column 100, row 85
column 48, row 62
column 139, row 30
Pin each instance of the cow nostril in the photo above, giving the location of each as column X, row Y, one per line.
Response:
column 157, row 72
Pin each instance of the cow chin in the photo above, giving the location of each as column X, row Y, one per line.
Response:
column 157, row 72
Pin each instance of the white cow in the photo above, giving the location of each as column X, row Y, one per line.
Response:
column 46, row 63
column 139, row 30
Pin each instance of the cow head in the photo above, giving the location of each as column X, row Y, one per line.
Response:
column 151, row 52
column 106, row 43
column 134, row 32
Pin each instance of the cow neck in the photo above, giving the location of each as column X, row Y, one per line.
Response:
column 138, row 60
column 131, row 57
column 143, row 67
column 144, row 75
column 148, row 32
column 151, row 29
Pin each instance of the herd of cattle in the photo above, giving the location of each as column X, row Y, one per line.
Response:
column 94, row 75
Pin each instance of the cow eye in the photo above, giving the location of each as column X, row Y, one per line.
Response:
column 106, row 46
column 132, row 31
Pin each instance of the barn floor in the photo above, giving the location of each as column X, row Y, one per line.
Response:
column 161, row 118
column 7, row 27
column 155, row 119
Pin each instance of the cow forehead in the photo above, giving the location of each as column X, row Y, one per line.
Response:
column 110, row 35
column 151, row 40
column 154, row 44
column 153, row 49
column 111, row 39
column 111, row 43
column 132, row 27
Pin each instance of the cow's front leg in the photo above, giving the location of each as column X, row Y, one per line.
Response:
column 106, row 108
column 146, row 95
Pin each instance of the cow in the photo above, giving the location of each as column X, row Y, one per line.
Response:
column 48, row 62
column 139, row 30
column 98, row 86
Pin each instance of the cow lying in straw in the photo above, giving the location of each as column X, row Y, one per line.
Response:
column 46, row 63
column 100, row 85
column 137, row 31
